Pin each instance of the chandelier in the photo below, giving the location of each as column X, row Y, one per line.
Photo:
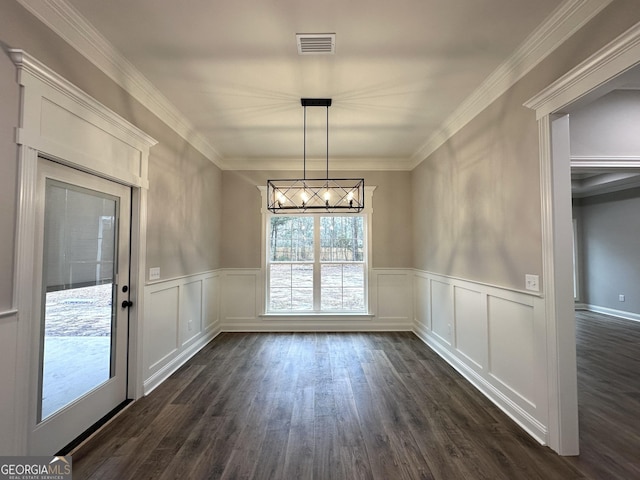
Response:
column 307, row 195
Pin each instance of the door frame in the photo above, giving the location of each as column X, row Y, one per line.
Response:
column 61, row 122
column 93, row 404
column 582, row 83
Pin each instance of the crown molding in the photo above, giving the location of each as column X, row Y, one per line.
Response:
column 569, row 17
column 617, row 56
column 71, row 26
column 336, row 164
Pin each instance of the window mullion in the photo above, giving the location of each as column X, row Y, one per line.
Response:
column 317, row 281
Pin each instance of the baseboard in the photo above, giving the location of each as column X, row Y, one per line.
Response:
column 612, row 312
column 171, row 367
column 512, row 410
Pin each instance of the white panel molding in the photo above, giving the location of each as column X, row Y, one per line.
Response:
column 473, row 361
column 469, row 329
column 241, row 296
column 192, row 298
column 568, row 18
column 392, row 293
column 242, row 306
column 635, row 317
column 68, row 23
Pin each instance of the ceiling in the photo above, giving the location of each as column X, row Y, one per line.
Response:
column 400, row 70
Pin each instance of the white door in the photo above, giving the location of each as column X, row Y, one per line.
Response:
column 79, row 369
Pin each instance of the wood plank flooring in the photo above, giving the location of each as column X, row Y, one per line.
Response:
column 321, row 406
column 608, row 354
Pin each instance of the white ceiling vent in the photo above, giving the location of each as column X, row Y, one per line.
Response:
column 316, row 43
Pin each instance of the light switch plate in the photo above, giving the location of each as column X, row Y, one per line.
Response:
column 154, row 273
column 532, row 282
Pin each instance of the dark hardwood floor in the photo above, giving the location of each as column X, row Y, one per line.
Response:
column 608, row 351
column 344, row 406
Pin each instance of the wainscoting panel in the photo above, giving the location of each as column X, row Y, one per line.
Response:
column 390, row 298
column 240, row 294
column 161, row 325
column 181, row 316
column 10, row 381
column 211, row 302
column 471, row 325
column 421, row 295
column 190, row 312
column 441, row 310
column 494, row 337
column 511, row 340
column 392, row 290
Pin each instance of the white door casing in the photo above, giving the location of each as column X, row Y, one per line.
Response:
column 60, row 121
column 582, row 82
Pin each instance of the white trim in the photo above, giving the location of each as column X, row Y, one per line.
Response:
column 154, row 381
column 68, row 23
column 458, row 327
column 563, row 22
column 367, row 212
column 24, row 287
column 635, row 317
column 242, row 290
column 117, row 125
column 40, row 84
column 491, row 287
column 616, row 57
column 338, row 164
column 528, row 422
column 8, row 313
column 605, row 161
column 192, row 332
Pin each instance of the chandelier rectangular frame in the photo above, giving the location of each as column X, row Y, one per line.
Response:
column 326, row 194
column 303, row 195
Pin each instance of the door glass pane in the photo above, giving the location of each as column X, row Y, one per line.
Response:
column 78, row 298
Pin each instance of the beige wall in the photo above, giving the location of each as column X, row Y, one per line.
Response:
column 391, row 222
column 476, row 200
column 184, row 202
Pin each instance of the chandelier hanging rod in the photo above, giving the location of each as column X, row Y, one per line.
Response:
column 306, row 195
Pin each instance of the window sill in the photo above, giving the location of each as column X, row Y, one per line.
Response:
column 331, row 317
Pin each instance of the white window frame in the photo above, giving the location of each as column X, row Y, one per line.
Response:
column 367, row 214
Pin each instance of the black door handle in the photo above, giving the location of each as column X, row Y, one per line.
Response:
column 127, row 303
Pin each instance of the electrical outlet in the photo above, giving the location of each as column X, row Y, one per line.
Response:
column 190, row 325
column 531, row 282
column 154, row 273
column 621, row 298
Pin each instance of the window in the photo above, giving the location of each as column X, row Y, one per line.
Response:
column 316, row 263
